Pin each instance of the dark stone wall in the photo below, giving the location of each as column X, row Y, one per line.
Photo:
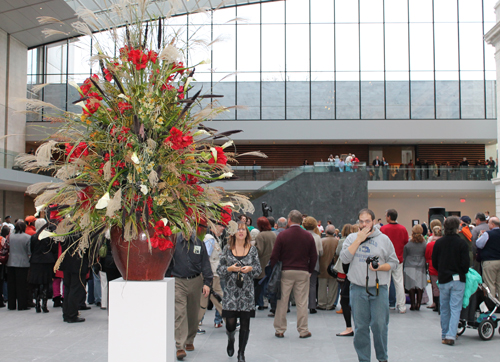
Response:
column 335, row 196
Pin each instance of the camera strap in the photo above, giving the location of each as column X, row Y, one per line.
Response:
column 368, row 279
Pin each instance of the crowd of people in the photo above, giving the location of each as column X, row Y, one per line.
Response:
column 366, row 269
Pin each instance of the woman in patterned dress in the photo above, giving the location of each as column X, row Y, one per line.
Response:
column 239, row 265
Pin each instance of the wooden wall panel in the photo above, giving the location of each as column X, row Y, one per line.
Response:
column 294, row 155
column 453, row 153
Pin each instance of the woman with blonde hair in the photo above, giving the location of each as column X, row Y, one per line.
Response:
column 437, row 233
column 311, row 225
column 415, row 276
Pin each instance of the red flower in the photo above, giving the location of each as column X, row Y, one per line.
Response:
column 179, row 66
column 120, row 164
column 161, row 243
column 107, row 157
column 76, row 152
column 221, row 157
column 189, row 179
column 225, row 215
column 87, row 84
column 152, row 55
column 108, row 75
column 91, row 107
column 178, row 139
column 94, row 95
column 138, row 58
column 199, row 190
column 124, row 52
column 123, row 106
column 101, row 169
column 167, row 87
column 84, row 197
column 125, row 130
column 54, row 214
column 161, row 229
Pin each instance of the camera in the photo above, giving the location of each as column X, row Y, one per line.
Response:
column 373, row 260
column 266, row 209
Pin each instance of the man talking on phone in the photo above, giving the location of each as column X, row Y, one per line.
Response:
column 371, row 256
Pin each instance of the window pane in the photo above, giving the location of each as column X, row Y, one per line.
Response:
column 472, row 95
column 347, row 98
column 273, row 96
column 273, row 12
column 372, row 47
column 297, row 96
column 489, row 58
column 297, row 11
column 79, row 55
column 249, row 54
column 446, row 10
column 470, row 10
column 447, row 99
column 251, row 13
column 222, row 16
column 421, row 52
column 323, row 96
column 396, row 11
column 397, row 95
column 471, row 46
column 396, row 47
column 446, row 45
column 371, row 11
column 372, row 96
column 420, row 10
column 248, row 88
column 322, row 11
column 346, row 11
column 227, row 87
column 422, row 97
column 297, row 47
column 224, row 51
column 199, row 52
column 322, row 47
column 56, row 61
column 489, row 11
column 347, row 50
column 491, row 99
column 273, row 47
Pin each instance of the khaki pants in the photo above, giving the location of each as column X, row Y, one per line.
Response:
column 298, row 281
column 204, row 300
column 187, row 305
column 491, row 275
column 327, row 292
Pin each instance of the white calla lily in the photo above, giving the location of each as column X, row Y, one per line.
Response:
column 144, row 189
column 107, row 234
column 187, row 82
column 214, row 153
column 165, row 221
column 134, row 158
column 222, row 204
column 227, row 144
column 226, row 175
column 103, row 202
column 46, row 234
column 200, row 132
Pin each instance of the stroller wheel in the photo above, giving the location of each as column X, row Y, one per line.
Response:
column 462, row 325
column 486, row 330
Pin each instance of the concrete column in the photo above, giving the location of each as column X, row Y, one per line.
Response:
column 493, row 37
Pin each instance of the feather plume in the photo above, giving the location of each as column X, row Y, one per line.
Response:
column 232, row 227
column 44, row 153
column 51, row 32
column 151, row 144
column 82, row 28
column 42, row 20
column 170, row 54
column 64, row 226
column 130, row 231
column 26, row 161
column 37, row 105
column 42, row 186
column 84, row 220
column 253, row 153
column 114, row 204
column 37, row 88
column 107, row 171
column 67, row 171
column 153, row 178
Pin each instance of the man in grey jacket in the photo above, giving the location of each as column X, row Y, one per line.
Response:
column 369, row 298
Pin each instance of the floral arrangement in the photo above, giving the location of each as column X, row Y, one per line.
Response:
column 138, row 156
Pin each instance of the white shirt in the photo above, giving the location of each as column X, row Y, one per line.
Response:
column 483, row 239
column 320, row 227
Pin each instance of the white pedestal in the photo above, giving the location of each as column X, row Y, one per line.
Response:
column 141, row 321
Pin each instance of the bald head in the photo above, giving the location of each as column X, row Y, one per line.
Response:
column 493, row 222
column 281, row 223
column 330, row 229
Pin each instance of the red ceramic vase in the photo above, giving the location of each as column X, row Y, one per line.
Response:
column 134, row 260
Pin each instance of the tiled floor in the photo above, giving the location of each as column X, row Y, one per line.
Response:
column 414, row 336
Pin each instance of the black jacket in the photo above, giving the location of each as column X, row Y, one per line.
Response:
column 43, row 251
column 450, row 256
column 73, row 262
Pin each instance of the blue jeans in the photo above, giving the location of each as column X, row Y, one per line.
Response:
column 450, row 298
column 90, row 295
column 97, row 286
column 370, row 313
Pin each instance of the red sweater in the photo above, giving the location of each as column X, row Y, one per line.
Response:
column 399, row 237
column 296, row 249
column 428, row 257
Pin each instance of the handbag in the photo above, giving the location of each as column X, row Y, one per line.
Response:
column 239, row 280
column 330, row 269
column 4, row 250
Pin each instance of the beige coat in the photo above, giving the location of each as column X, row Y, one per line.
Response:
column 330, row 244
column 264, row 242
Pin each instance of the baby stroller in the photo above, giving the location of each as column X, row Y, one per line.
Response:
column 473, row 317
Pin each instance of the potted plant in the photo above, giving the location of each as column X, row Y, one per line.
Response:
column 137, row 161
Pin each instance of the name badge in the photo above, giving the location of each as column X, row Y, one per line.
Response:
column 197, row 249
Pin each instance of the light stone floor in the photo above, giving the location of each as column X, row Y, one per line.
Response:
column 414, row 336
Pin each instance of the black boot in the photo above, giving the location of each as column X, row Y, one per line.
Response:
column 412, row 299
column 44, row 299
column 57, row 302
column 420, row 292
column 36, row 292
column 242, row 344
column 436, row 302
column 230, row 343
